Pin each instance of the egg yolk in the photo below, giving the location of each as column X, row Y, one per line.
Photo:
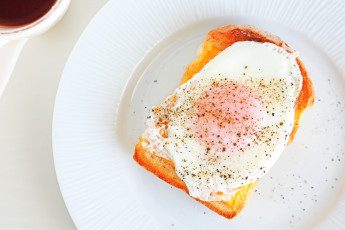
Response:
column 229, row 118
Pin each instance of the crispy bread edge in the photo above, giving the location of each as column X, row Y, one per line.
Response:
column 166, row 172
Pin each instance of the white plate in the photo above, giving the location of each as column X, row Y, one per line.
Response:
column 132, row 55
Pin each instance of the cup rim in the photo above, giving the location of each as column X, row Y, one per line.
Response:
column 17, row 30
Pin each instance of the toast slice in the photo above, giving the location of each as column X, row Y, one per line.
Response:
column 215, row 42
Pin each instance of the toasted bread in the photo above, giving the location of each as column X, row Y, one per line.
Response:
column 216, row 41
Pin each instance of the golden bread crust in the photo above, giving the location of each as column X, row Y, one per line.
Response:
column 216, row 41
column 166, row 172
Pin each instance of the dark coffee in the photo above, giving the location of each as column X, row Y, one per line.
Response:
column 21, row 12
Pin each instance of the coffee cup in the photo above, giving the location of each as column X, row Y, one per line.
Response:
column 14, row 33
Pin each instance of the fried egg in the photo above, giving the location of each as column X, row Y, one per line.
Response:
column 228, row 125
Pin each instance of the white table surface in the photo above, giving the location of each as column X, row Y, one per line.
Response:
column 30, row 197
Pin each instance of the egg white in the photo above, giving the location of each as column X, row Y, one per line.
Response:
column 253, row 65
